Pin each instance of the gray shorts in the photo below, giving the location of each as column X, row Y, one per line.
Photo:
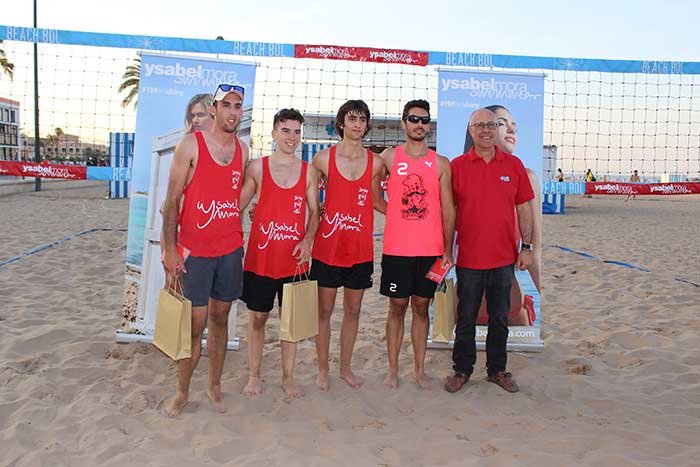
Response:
column 220, row 278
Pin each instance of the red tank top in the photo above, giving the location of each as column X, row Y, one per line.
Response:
column 414, row 213
column 344, row 236
column 210, row 221
column 279, row 224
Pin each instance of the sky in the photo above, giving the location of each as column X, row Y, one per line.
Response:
column 626, row 29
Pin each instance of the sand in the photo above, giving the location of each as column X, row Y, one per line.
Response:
column 618, row 383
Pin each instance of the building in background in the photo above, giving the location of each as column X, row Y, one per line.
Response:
column 9, row 130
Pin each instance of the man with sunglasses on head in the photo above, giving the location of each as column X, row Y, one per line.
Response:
column 343, row 252
column 206, row 175
column 418, row 232
column 489, row 185
column 279, row 245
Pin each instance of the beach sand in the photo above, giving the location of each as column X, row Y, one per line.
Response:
column 618, row 383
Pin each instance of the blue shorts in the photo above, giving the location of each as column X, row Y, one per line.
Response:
column 220, row 278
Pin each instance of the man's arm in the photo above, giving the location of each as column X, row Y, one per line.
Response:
column 379, row 173
column 448, row 208
column 179, row 169
column 302, row 251
column 525, row 258
column 253, row 173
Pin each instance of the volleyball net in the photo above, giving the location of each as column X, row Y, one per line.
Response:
column 609, row 116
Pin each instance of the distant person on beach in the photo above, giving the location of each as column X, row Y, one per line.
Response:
column 560, row 175
column 198, row 116
column 634, row 178
column 207, row 169
column 418, row 232
column 343, row 251
column 589, row 177
column 279, row 245
column 489, row 184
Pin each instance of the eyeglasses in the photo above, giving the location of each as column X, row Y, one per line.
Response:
column 417, row 118
column 484, row 125
column 224, row 89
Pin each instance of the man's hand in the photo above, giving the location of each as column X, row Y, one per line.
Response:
column 173, row 264
column 447, row 259
column 302, row 251
column 525, row 259
column 251, row 211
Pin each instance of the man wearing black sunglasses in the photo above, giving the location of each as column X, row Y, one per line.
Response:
column 207, row 169
column 418, row 232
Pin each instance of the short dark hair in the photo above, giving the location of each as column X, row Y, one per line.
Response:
column 420, row 103
column 356, row 106
column 287, row 114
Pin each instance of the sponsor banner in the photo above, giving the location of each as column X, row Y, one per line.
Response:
column 517, row 101
column 361, row 54
column 618, row 188
column 166, row 86
column 32, row 169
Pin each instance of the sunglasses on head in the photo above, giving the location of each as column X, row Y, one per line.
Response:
column 224, row 89
column 417, row 118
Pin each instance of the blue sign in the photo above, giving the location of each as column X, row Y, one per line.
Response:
column 517, row 97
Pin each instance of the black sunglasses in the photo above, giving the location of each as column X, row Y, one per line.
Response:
column 229, row 87
column 416, row 118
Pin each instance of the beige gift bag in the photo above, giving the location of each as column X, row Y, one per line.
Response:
column 299, row 314
column 444, row 319
column 173, row 333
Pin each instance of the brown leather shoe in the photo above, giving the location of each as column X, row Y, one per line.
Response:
column 504, row 380
column 455, row 382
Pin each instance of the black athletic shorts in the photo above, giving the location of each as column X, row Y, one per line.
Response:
column 357, row 276
column 403, row 276
column 220, row 278
column 259, row 292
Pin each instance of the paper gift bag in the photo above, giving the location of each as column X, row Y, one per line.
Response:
column 173, row 333
column 299, row 314
column 444, row 319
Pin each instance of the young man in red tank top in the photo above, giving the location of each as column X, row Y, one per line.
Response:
column 207, row 170
column 343, row 253
column 281, row 235
column 420, row 222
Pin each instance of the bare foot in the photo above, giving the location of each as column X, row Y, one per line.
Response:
column 391, row 381
column 217, row 399
column 424, row 381
column 349, row 377
column 291, row 389
column 322, row 381
column 174, row 407
column 253, row 387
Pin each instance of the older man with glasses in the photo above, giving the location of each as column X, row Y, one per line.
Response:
column 490, row 188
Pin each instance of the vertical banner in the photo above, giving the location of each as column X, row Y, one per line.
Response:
column 518, row 98
column 167, row 84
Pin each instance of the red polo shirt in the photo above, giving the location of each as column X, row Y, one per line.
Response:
column 486, row 195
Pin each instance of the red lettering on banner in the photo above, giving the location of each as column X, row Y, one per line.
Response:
column 361, row 54
column 32, row 169
column 618, row 188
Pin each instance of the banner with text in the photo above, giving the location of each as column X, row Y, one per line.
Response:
column 619, row 188
column 166, row 86
column 517, row 100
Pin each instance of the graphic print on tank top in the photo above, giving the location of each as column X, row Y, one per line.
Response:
column 414, row 198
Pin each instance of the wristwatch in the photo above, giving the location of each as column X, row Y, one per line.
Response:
column 525, row 246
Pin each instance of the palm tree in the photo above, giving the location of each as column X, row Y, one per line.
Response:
column 5, row 65
column 130, row 82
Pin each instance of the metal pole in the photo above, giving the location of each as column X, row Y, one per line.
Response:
column 37, row 142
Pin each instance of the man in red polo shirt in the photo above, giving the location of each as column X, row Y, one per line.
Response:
column 490, row 188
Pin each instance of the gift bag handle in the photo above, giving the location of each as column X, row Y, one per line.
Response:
column 298, row 273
